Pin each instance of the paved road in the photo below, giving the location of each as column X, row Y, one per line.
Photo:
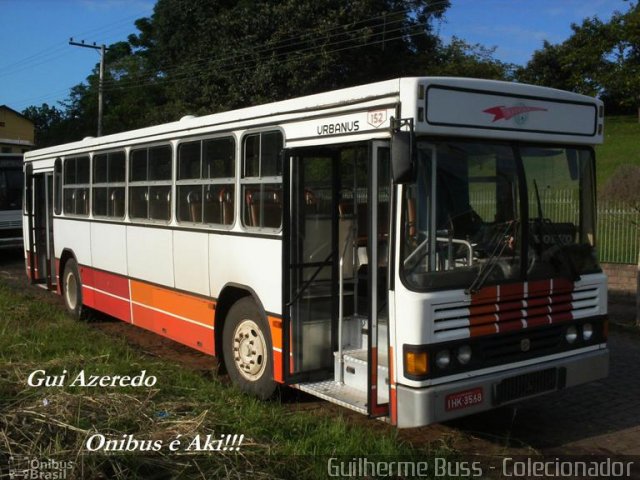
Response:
column 598, row 418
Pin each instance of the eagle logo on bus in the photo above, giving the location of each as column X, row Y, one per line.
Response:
column 519, row 113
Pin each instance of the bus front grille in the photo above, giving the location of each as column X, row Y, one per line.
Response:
column 526, row 385
column 528, row 308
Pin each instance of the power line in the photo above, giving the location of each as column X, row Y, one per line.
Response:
column 186, row 69
column 50, row 53
column 177, row 73
column 240, row 68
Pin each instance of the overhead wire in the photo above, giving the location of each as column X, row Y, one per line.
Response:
column 300, row 39
column 186, row 69
column 248, row 64
column 238, row 62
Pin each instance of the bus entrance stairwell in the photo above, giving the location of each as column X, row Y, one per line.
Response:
column 330, row 287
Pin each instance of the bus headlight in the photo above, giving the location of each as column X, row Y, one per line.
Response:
column 587, row 332
column 571, row 335
column 443, row 359
column 464, row 354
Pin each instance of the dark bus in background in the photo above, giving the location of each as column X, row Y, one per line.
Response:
column 11, row 185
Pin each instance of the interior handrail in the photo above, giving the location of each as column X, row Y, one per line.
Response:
column 348, row 241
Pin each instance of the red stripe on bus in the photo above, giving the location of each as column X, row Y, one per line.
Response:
column 484, row 295
column 58, row 279
column 88, row 298
column 539, row 287
column 508, row 316
column 393, row 398
column 481, row 330
column 116, row 307
column 109, row 282
column 512, row 290
column 511, row 326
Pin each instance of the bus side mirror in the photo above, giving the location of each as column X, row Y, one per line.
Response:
column 403, row 157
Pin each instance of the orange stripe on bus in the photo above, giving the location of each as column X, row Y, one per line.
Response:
column 194, row 336
column 176, row 303
column 275, row 325
column 276, row 332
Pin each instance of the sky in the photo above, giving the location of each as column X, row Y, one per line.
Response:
column 37, row 64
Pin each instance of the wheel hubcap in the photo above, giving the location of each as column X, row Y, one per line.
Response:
column 249, row 349
column 71, row 290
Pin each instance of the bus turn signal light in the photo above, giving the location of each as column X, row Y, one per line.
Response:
column 417, row 363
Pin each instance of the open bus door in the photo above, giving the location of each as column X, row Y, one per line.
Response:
column 335, row 295
column 39, row 208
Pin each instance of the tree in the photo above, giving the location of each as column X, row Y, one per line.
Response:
column 459, row 58
column 203, row 56
column 45, row 120
column 599, row 58
column 623, row 186
column 222, row 55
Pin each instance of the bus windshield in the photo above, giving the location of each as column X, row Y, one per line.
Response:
column 483, row 214
column 11, row 188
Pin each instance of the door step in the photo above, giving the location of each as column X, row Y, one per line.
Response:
column 354, row 368
column 337, row 393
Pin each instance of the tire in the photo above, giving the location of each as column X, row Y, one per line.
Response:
column 247, row 349
column 72, row 290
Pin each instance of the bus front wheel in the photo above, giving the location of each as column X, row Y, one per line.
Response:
column 247, row 351
column 72, row 289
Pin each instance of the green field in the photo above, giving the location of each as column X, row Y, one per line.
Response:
column 621, row 146
column 280, row 439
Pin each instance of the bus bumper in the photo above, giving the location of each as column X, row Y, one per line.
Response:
column 424, row 406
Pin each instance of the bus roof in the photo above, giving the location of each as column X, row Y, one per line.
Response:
column 388, row 94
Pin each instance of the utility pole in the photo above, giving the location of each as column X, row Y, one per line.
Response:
column 103, row 49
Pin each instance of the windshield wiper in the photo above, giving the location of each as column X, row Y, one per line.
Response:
column 557, row 241
column 484, row 272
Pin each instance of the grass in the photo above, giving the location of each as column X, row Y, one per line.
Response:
column 621, row 146
column 55, row 422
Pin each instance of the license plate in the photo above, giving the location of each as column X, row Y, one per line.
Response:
column 465, row 399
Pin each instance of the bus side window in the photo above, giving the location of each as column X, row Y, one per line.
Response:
column 76, row 188
column 205, row 184
column 262, row 180
column 150, row 183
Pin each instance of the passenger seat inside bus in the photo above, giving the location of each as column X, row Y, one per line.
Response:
column 195, row 206
column 117, row 202
column 271, row 206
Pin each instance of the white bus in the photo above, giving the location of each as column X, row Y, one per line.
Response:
column 394, row 248
column 11, row 187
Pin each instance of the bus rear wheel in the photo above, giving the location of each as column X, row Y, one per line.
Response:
column 246, row 347
column 72, row 289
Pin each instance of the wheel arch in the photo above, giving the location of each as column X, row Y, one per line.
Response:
column 230, row 294
column 65, row 256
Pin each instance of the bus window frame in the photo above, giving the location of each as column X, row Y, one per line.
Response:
column 149, row 183
column 258, row 180
column 76, row 186
column 108, row 184
column 204, row 182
